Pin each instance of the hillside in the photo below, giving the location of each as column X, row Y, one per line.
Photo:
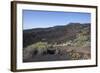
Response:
column 68, row 42
column 56, row 34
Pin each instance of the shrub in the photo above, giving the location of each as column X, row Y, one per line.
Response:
column 74, row 55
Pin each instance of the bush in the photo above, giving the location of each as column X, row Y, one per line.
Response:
column 74, row 55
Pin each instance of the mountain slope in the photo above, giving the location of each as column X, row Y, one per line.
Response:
column 56, row 34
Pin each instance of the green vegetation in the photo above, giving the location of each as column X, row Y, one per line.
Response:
column 74, row 55
column 83, row 38
column 71, row 41
column 39, row 45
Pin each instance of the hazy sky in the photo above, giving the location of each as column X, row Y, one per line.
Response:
column 44, row 19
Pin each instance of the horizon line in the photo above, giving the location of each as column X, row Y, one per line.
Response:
column 56, row 25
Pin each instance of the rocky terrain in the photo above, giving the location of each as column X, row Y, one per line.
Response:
column 67, row 42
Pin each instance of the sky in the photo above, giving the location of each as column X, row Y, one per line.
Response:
column 45, row 19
